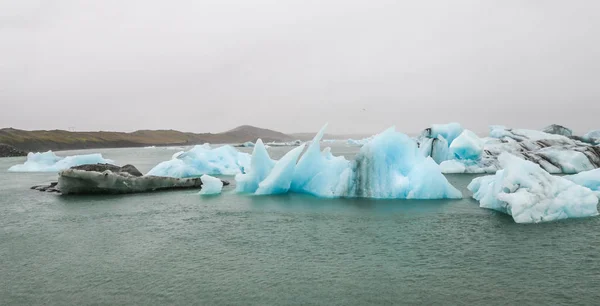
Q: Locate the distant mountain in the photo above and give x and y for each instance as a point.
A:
(43, 140)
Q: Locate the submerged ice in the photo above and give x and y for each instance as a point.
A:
(389, 166)
(50, 162)
(203, 159)
(530, 194)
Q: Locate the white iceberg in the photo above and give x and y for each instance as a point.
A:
(529, 194)
(554, 153)
(199, 160)
(389, 166)
(589, 179)
(50, 162)
(210, 185)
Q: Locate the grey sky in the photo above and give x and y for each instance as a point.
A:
(292, 65)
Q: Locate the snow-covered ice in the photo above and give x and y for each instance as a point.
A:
(388, 166)
(210, 185)
(50, 162)
(529, 194)
(203, 159)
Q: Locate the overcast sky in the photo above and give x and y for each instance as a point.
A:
(292, 65)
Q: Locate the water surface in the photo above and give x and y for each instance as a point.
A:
(180, 248)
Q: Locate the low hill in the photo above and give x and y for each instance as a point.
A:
(43, 140)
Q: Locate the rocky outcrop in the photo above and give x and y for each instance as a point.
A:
(10, 151)
(111, 179)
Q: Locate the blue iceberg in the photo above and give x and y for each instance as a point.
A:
(589, 179)
(260, 167)
(529, 194)
(389, 166)
(49, 162)
(199, 160)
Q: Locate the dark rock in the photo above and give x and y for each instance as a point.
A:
(129, 169)
(558, 130)
(10, 151)
(111, 179)
(51, 187)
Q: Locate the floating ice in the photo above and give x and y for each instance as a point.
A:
(210, 185)
(199, 160)
(358, 142)
(467, 146)
(49, 162)
(554, 153)
(449, 131)
(437, 148)
(294, 143)
(247, 144)
(389, 166)
(558, 130)
(592, 136)
(260, 167)
(529, 194)
(280, 178)
(589, 179)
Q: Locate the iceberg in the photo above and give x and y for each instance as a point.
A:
(529, 194)
(247, 144)
(111, 179)
(589, 179)
(437, 148)
(357, 142)
(260, 167)
(389, 166)
(467, 146)
(592, 136)
(210, 185)
(203, 159)
(49, 162)
(554, 153)
(449, 131)
(558, 130)
(280, 177)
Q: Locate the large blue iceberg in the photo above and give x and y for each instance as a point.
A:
(50, 162)
(389, 166)
(530, 194)
(199, 160)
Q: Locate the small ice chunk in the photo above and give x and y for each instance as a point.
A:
(210, 185)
